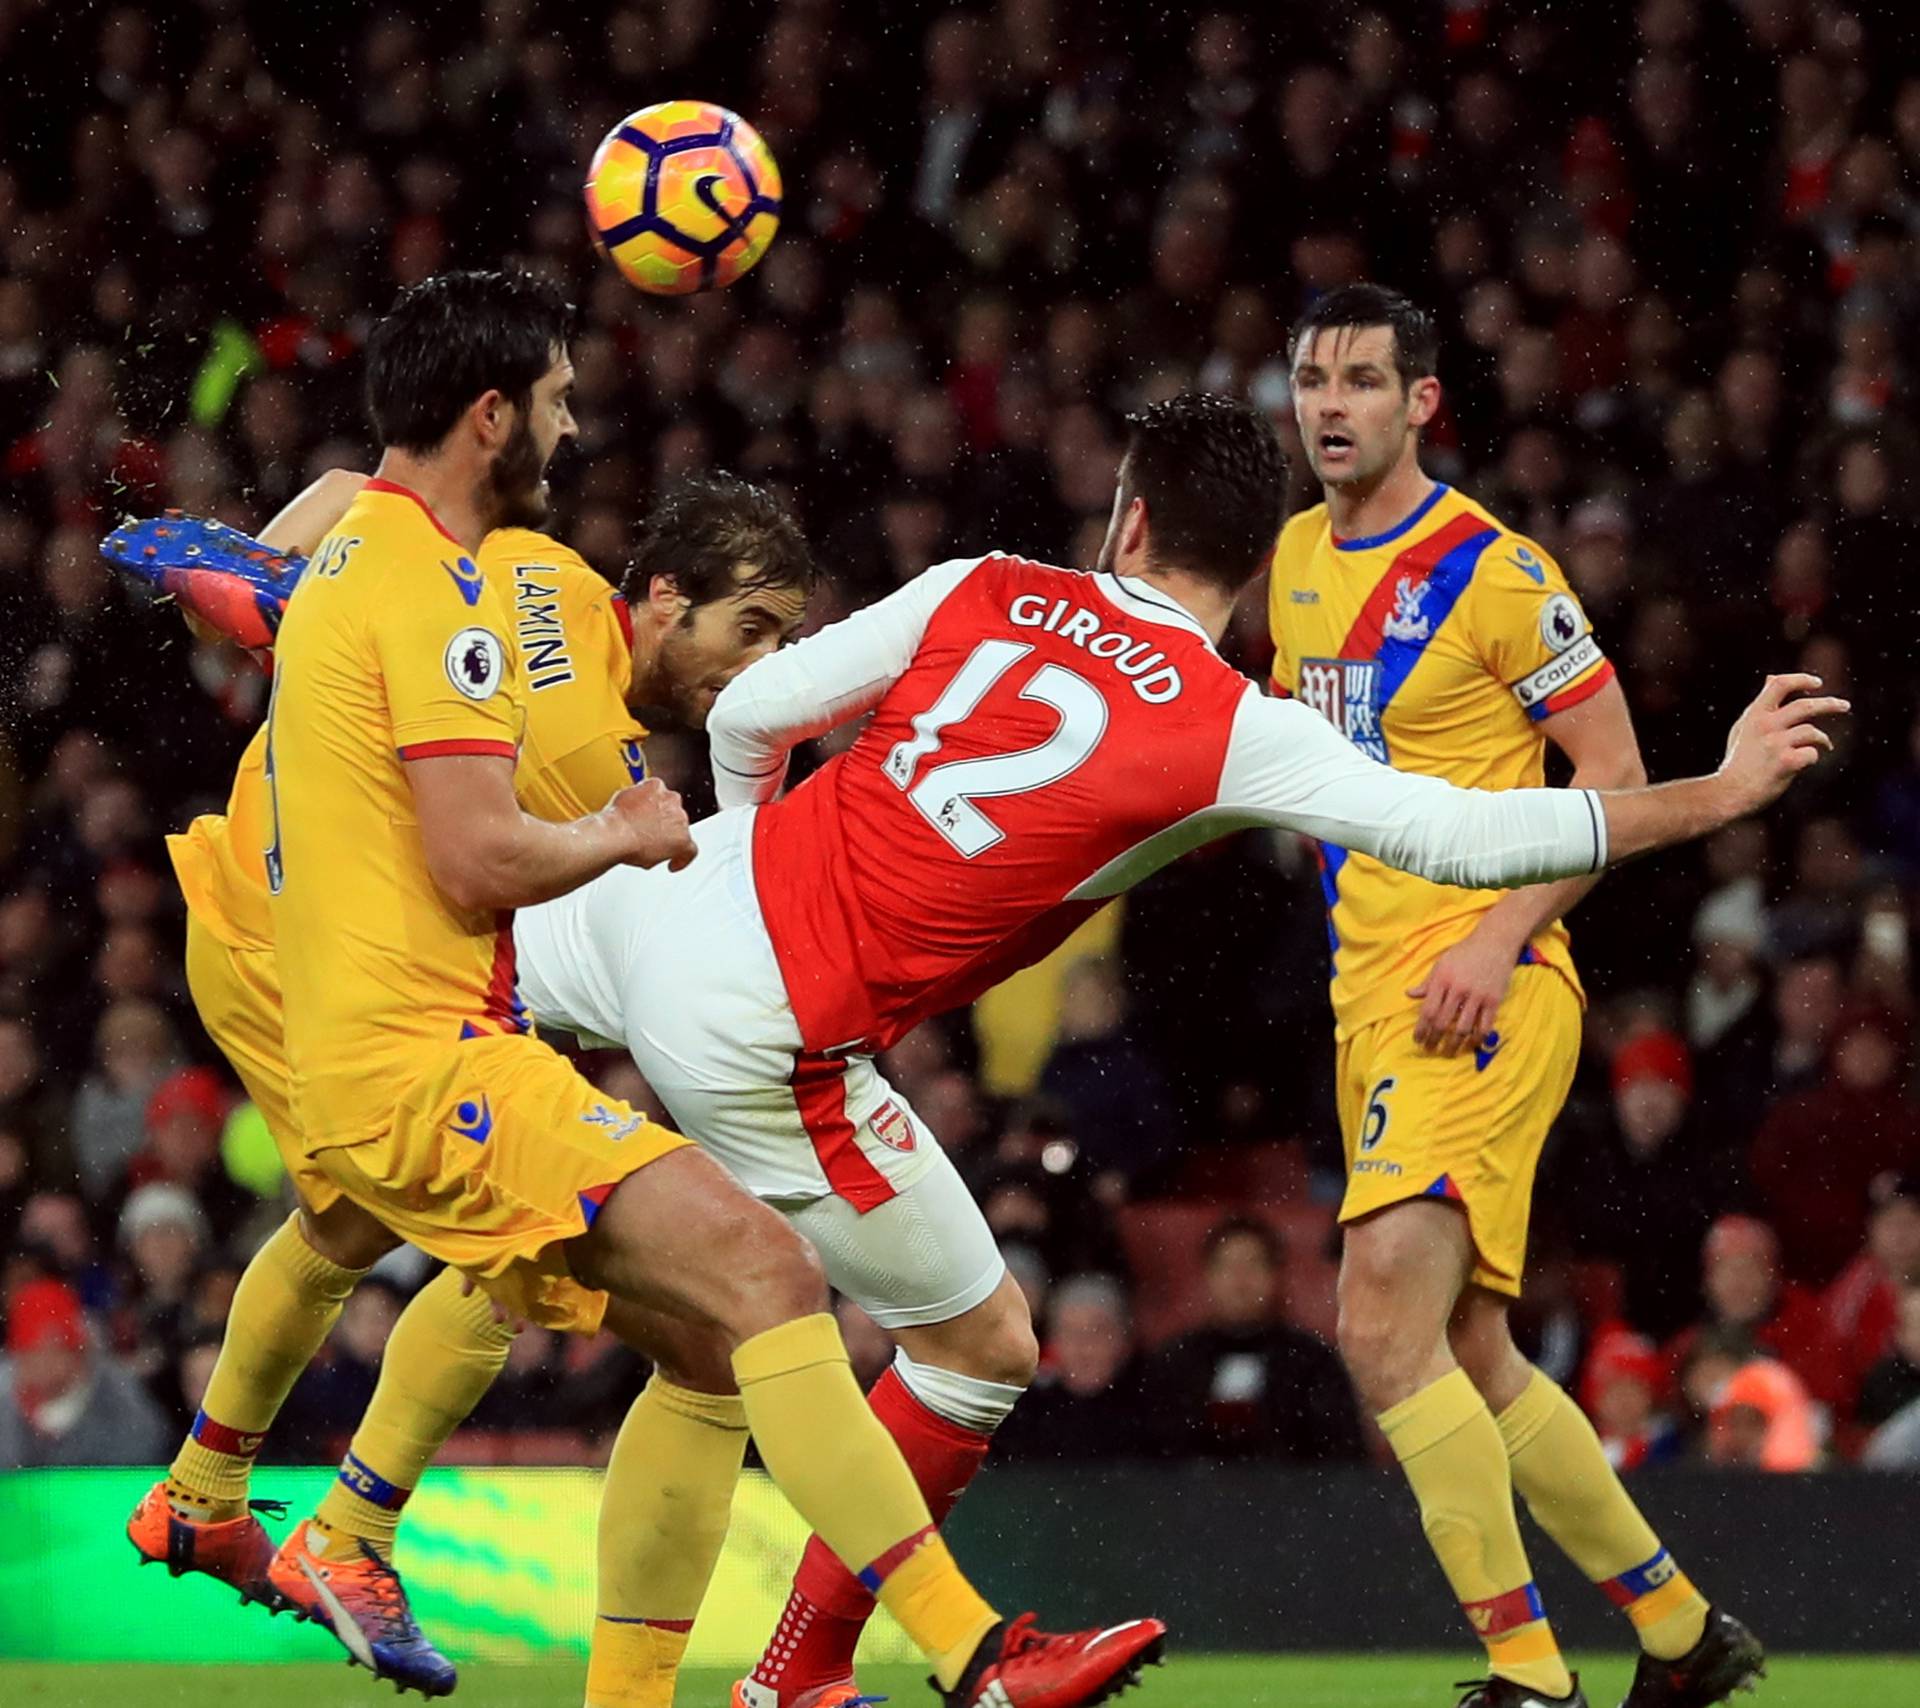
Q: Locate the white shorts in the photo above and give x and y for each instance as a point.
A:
(677, 967)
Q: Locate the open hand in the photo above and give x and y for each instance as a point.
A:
(1777, 738)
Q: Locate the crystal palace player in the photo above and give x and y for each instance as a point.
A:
(1443, 643)
(1040, 740)
(414, 1084)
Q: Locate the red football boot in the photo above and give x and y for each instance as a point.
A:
(1017, 1666)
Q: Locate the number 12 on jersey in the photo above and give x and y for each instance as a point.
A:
(945, 794)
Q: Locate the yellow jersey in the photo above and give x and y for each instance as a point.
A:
(575, 639)
(1438, 646)
(581, 745)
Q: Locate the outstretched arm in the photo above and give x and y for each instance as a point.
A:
(1288, 767)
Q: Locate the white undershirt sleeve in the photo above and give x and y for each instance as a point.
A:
(1288, 767)
(805, 690)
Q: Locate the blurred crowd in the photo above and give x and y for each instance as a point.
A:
(1674, 250)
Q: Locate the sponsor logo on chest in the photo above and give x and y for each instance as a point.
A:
(1346, 692)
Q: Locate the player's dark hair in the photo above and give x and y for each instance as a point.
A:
(454, 337)
(1232, 1228)
(704, 528)
(1214, 478)
(1416, 342)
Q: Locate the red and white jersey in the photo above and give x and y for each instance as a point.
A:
(1041, 740)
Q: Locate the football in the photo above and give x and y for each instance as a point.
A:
(683, 196)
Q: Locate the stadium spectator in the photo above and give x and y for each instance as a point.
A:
(133, 1051)
(1817, 1151)
(1245, 1383)
(333, 1391)
(1894, 1382)
(163, 1234)
(1113, 1091)
(62, 1401)
(1620, 1390)
(1086, 1403)
(1863, 1304)
(55, 1233)
(1644, 1195)
(185, 1116)
(1749, 1303)
(1763, 1419)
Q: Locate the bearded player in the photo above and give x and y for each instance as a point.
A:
(720, 577)
(1442, 643)
(396, 850)
(1039, 740)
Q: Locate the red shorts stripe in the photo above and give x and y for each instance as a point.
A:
(474, 749)
(820, 1089)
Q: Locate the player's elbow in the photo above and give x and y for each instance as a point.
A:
(463, 889)
(1620, 769)
(469, 874)
(728, 727)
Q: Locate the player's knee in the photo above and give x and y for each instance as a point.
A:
(1366, 1342)
(778, 1275)
(346, 1235)
(699, 1359)
(1001, 1349)
(1010, 1350)
(1382, 1353)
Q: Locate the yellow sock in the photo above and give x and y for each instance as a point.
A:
(1450, 1448)
(663, 1517)
(1562, 1470)
(837, 1464)
(443, 1354)
(285, 1306)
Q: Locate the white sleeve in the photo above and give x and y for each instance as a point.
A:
(802, 691)
(1288, 767)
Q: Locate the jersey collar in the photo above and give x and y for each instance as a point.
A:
(1138, 599)
(1440, 490)
(397, 490)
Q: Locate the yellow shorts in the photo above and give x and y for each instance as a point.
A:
(1467, 1128)
(237, 992)
(499, 1153)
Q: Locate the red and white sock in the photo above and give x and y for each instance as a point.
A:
(944, 1424)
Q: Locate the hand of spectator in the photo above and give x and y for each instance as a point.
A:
(1777, 738)
(1461, 995)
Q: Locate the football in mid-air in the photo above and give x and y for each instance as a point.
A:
(683, 196)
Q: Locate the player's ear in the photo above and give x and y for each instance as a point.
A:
(1133, 526)
(665, 600)
(492, 416)
(1423, 400)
